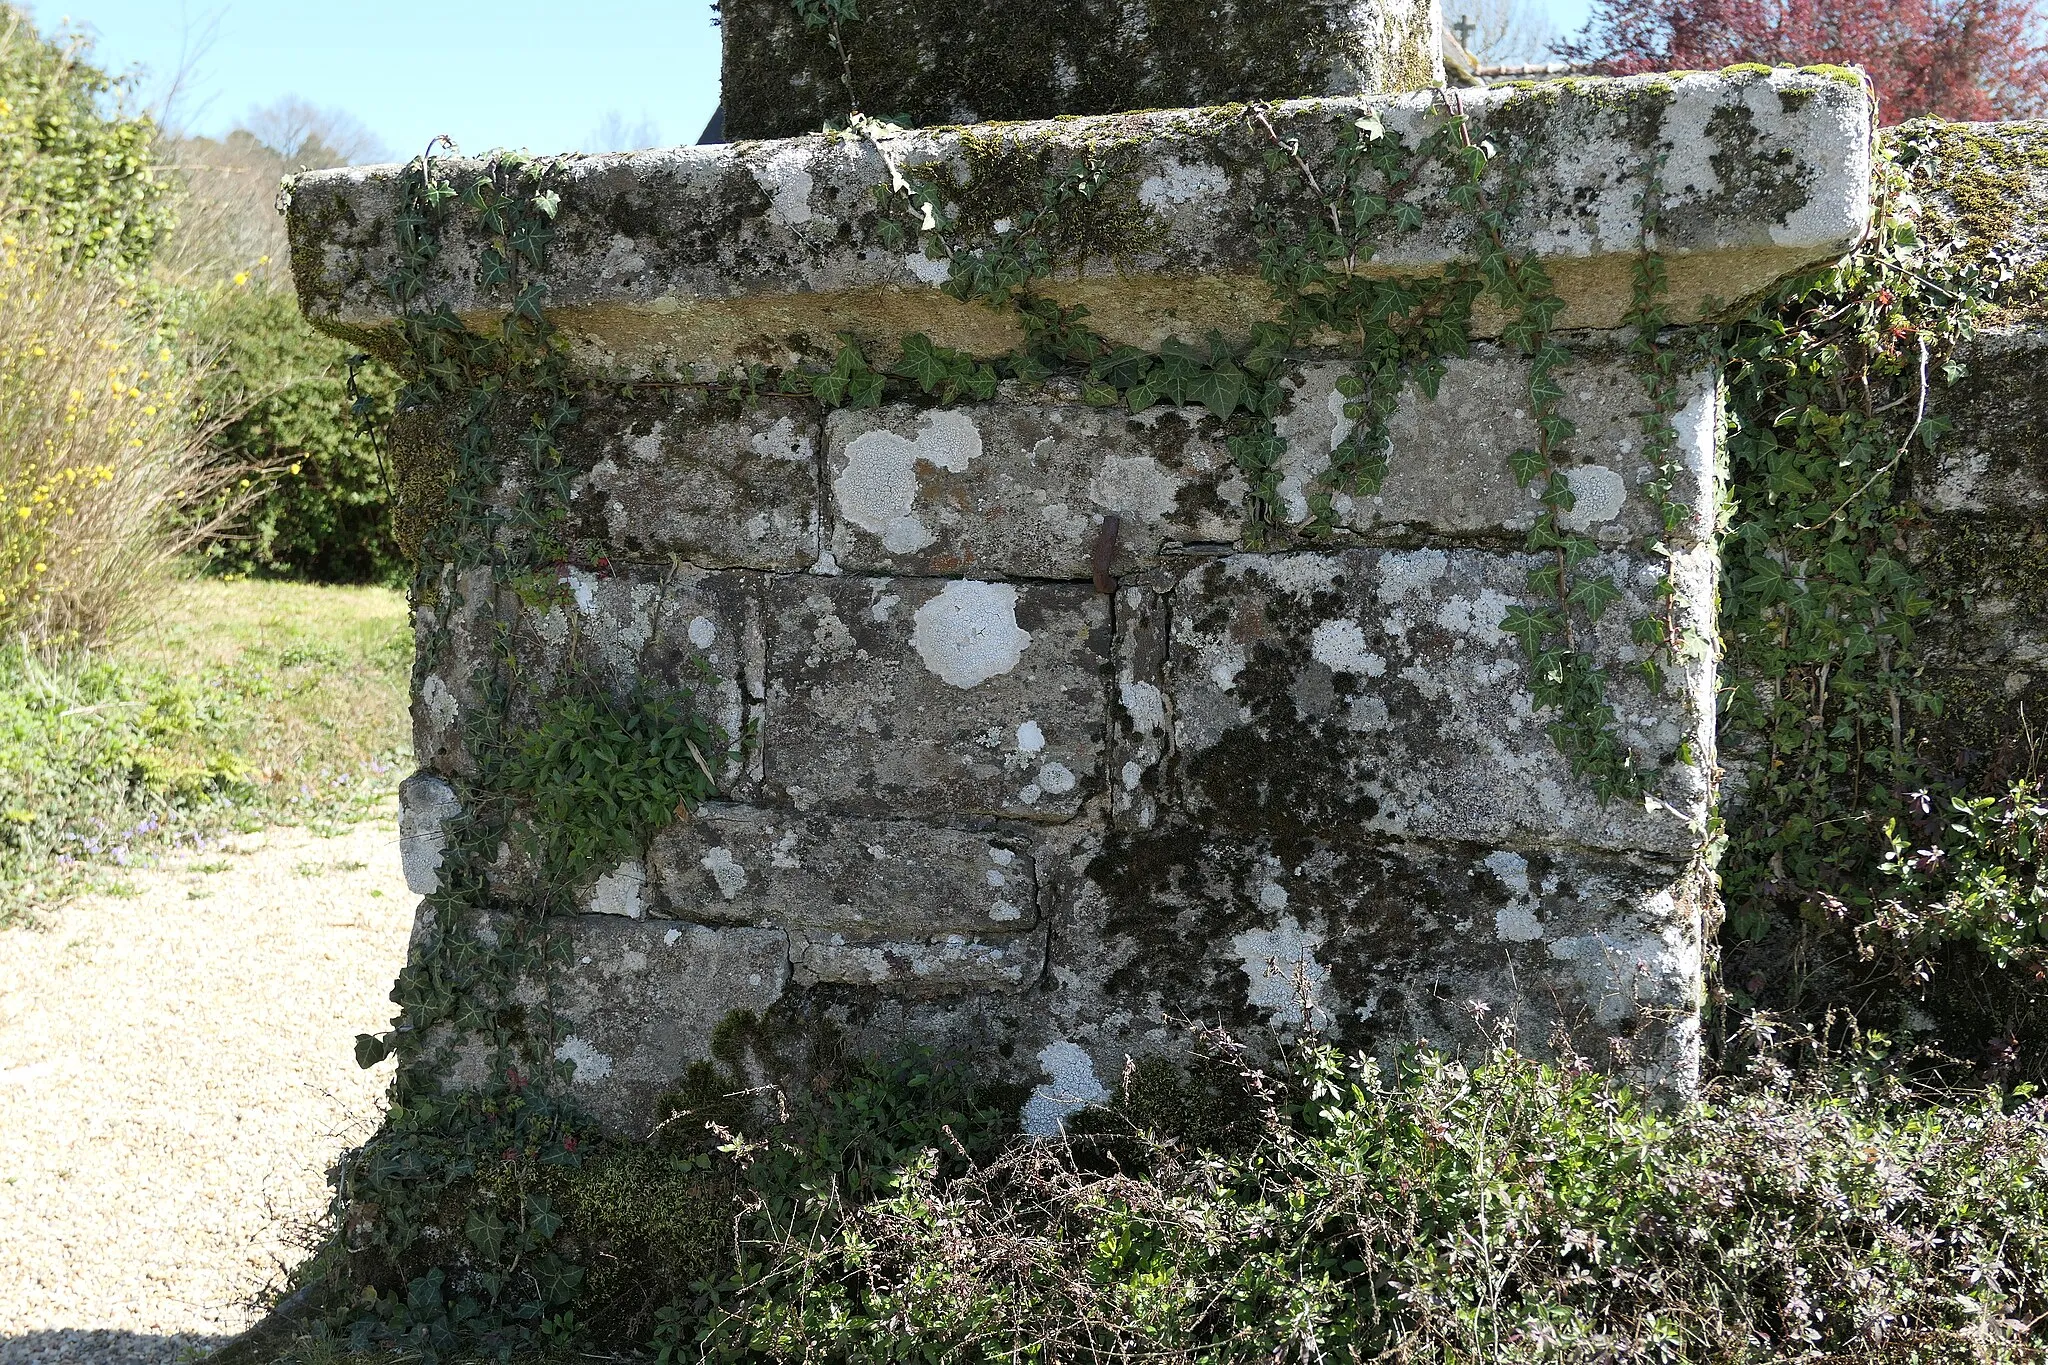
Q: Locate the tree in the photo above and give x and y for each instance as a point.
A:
(614, 134)
(77, 166)
(1957, 59)
(311, 138)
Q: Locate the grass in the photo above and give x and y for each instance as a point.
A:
(238, 705)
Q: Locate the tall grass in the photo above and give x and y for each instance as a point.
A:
(100, 455)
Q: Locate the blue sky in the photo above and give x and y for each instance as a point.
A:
(539, 74)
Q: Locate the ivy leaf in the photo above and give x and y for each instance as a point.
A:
(1530, 627)
(1525, 464)
(371, 1049)
(1593, 595)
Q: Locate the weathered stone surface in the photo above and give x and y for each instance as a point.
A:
(1018, 488)
(1994, 460)
(862, 879)
(695, 259)
(940, 61)
(1987, 187)
(425, 805)
(689, 629)
(905, 696)
(711, 482)
(640, 1001)
(1448, 472)
(1375, 690)
(1388, 941)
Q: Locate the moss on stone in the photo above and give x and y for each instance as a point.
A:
(1846, 75)
(1988, 185)
(930, 62)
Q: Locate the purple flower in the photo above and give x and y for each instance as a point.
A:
(121, 855)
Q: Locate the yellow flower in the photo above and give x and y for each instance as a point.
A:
(241, 278)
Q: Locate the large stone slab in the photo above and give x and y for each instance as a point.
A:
(1387, 941)
(690, 261)
(941, 61)
(908, 696)
(1021, 488)
(640, 1001)
(710, 481)
(1448, 468)
(1375, 691)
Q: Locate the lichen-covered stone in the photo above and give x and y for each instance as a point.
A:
(425, 806)
(1376, 690)
(941, 61)
(859, 879)
(1380, 942)
(697, 259)
(1448, 473)
(1986, 185)
(713, 483)
(909, 696)
(1019, 488)
(639, 1002)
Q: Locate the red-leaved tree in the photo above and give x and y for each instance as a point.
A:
(1958, 59)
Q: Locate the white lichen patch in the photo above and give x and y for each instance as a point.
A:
(703, 632)
(877, 489)
(1056, 779)
(1515, 922)
(1409, 574)
(1145, 704)
(788, 185)
(725, 870)
(1598, 494)
(1340, 645)
(440, 706)
(591, 1065)
(582, 585)
(1071, 1085)
(1030, 739)
(425, 805)
(618, 892)
(968, 633)
(1134, 485)
(1182, 182)
(783, 441)
(1282, 974)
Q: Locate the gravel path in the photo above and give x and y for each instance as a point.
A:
(176, 1076)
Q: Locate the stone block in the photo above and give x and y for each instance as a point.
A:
(693, 260)
(1448, 475)
(640, 1000)
(708, 481)
(861, 879)
(1385, 942)
(1994, 459)
(917, 697)
(1020, 488)
(940, 61)
(1374, 690)
(425, 805)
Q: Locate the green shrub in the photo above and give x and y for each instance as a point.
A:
(99, 466)
(321, 504)
(78, 170)
(1509, 1211)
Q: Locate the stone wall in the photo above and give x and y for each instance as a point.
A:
(1040, 757)
(1983, 489)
